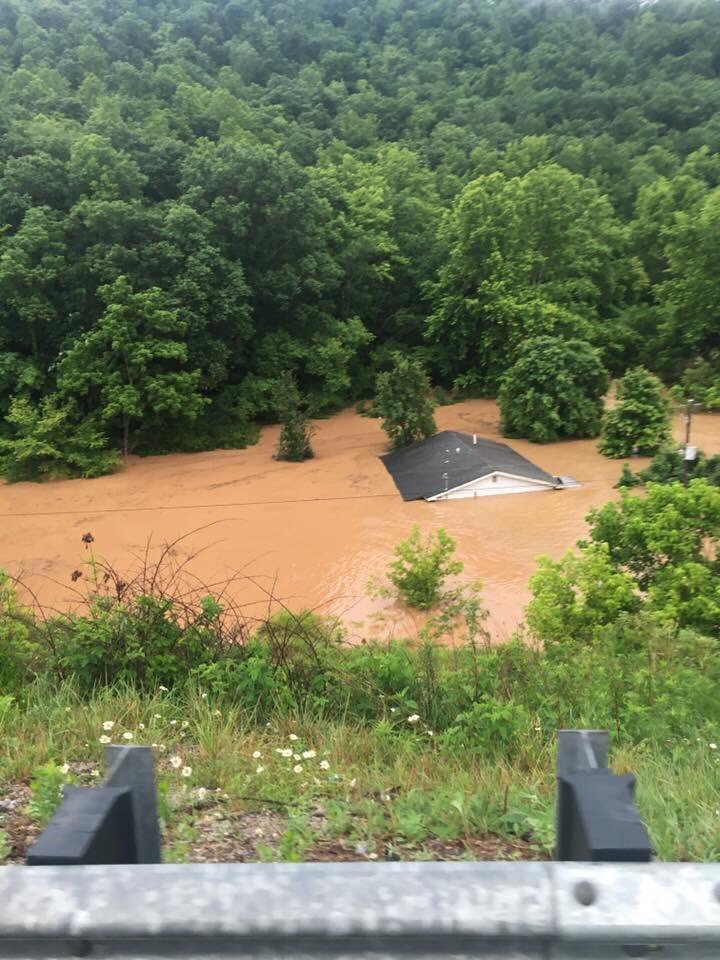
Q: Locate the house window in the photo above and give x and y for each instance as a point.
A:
(494, 478)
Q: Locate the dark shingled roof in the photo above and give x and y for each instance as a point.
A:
(418, 470)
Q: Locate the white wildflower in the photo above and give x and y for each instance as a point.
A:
(186, 771)
(353, 782)
(202, 793)
(204, 696)
(413, 718)
(285, 753)
(176, 762)
(157, 716)
(217, 714)
(164, 689)
(713, 746)
(104, 738)
(260, 770)
(293, 736)
(430, 733)
(256, 755)
(173, 722)
(65, 768)
(127, 735)
(297, 768)
(185, 724)
(308, 754)
(324, 765)
(162, 748)
(296, 756)
(141, 726)
(94, 773)
(108, 724)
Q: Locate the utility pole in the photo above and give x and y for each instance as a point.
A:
(688, 423)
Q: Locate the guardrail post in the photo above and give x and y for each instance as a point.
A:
(133, 767)
(596, 816)
(114, 823)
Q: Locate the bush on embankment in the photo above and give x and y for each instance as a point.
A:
(636, 676)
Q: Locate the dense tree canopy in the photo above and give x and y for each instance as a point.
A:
(554, 389)
(311, 187)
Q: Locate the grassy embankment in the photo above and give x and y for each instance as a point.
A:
(368, 790)
(279, 741)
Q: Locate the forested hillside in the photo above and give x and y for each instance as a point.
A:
(197, 197)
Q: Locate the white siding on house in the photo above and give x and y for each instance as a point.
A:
(491, 486)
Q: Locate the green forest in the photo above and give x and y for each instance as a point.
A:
(199, 199)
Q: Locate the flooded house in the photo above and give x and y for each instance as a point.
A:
(451, 465)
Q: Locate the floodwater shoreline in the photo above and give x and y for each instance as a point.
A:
(313, 534)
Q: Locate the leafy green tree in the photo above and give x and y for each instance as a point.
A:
(690, 297)
(50, 440)
(129, 370)
(672, 525)
(32, 265)
(404, 401)
(529, 256)
(294, 443)
(575, 597)
(421, 567)
(640, 421)
(554, 389)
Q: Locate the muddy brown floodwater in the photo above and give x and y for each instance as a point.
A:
(314, 533)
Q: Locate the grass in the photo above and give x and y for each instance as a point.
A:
(339, 789)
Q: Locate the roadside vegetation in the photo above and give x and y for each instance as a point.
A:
(277, 739)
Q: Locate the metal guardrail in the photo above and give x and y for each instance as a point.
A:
(596, 816)
(113, 899)
(363, 910)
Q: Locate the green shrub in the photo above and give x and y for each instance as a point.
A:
(422, 566)
(23, 655)
(491, 727)
(143, 639)
(249, 678)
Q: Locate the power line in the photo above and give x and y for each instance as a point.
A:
(193, 506)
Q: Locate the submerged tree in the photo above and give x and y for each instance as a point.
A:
(421, 567)
(554, 389)
(294, 443)
(403, 400)
(49, 441)
(640, 423)
(130, 369)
